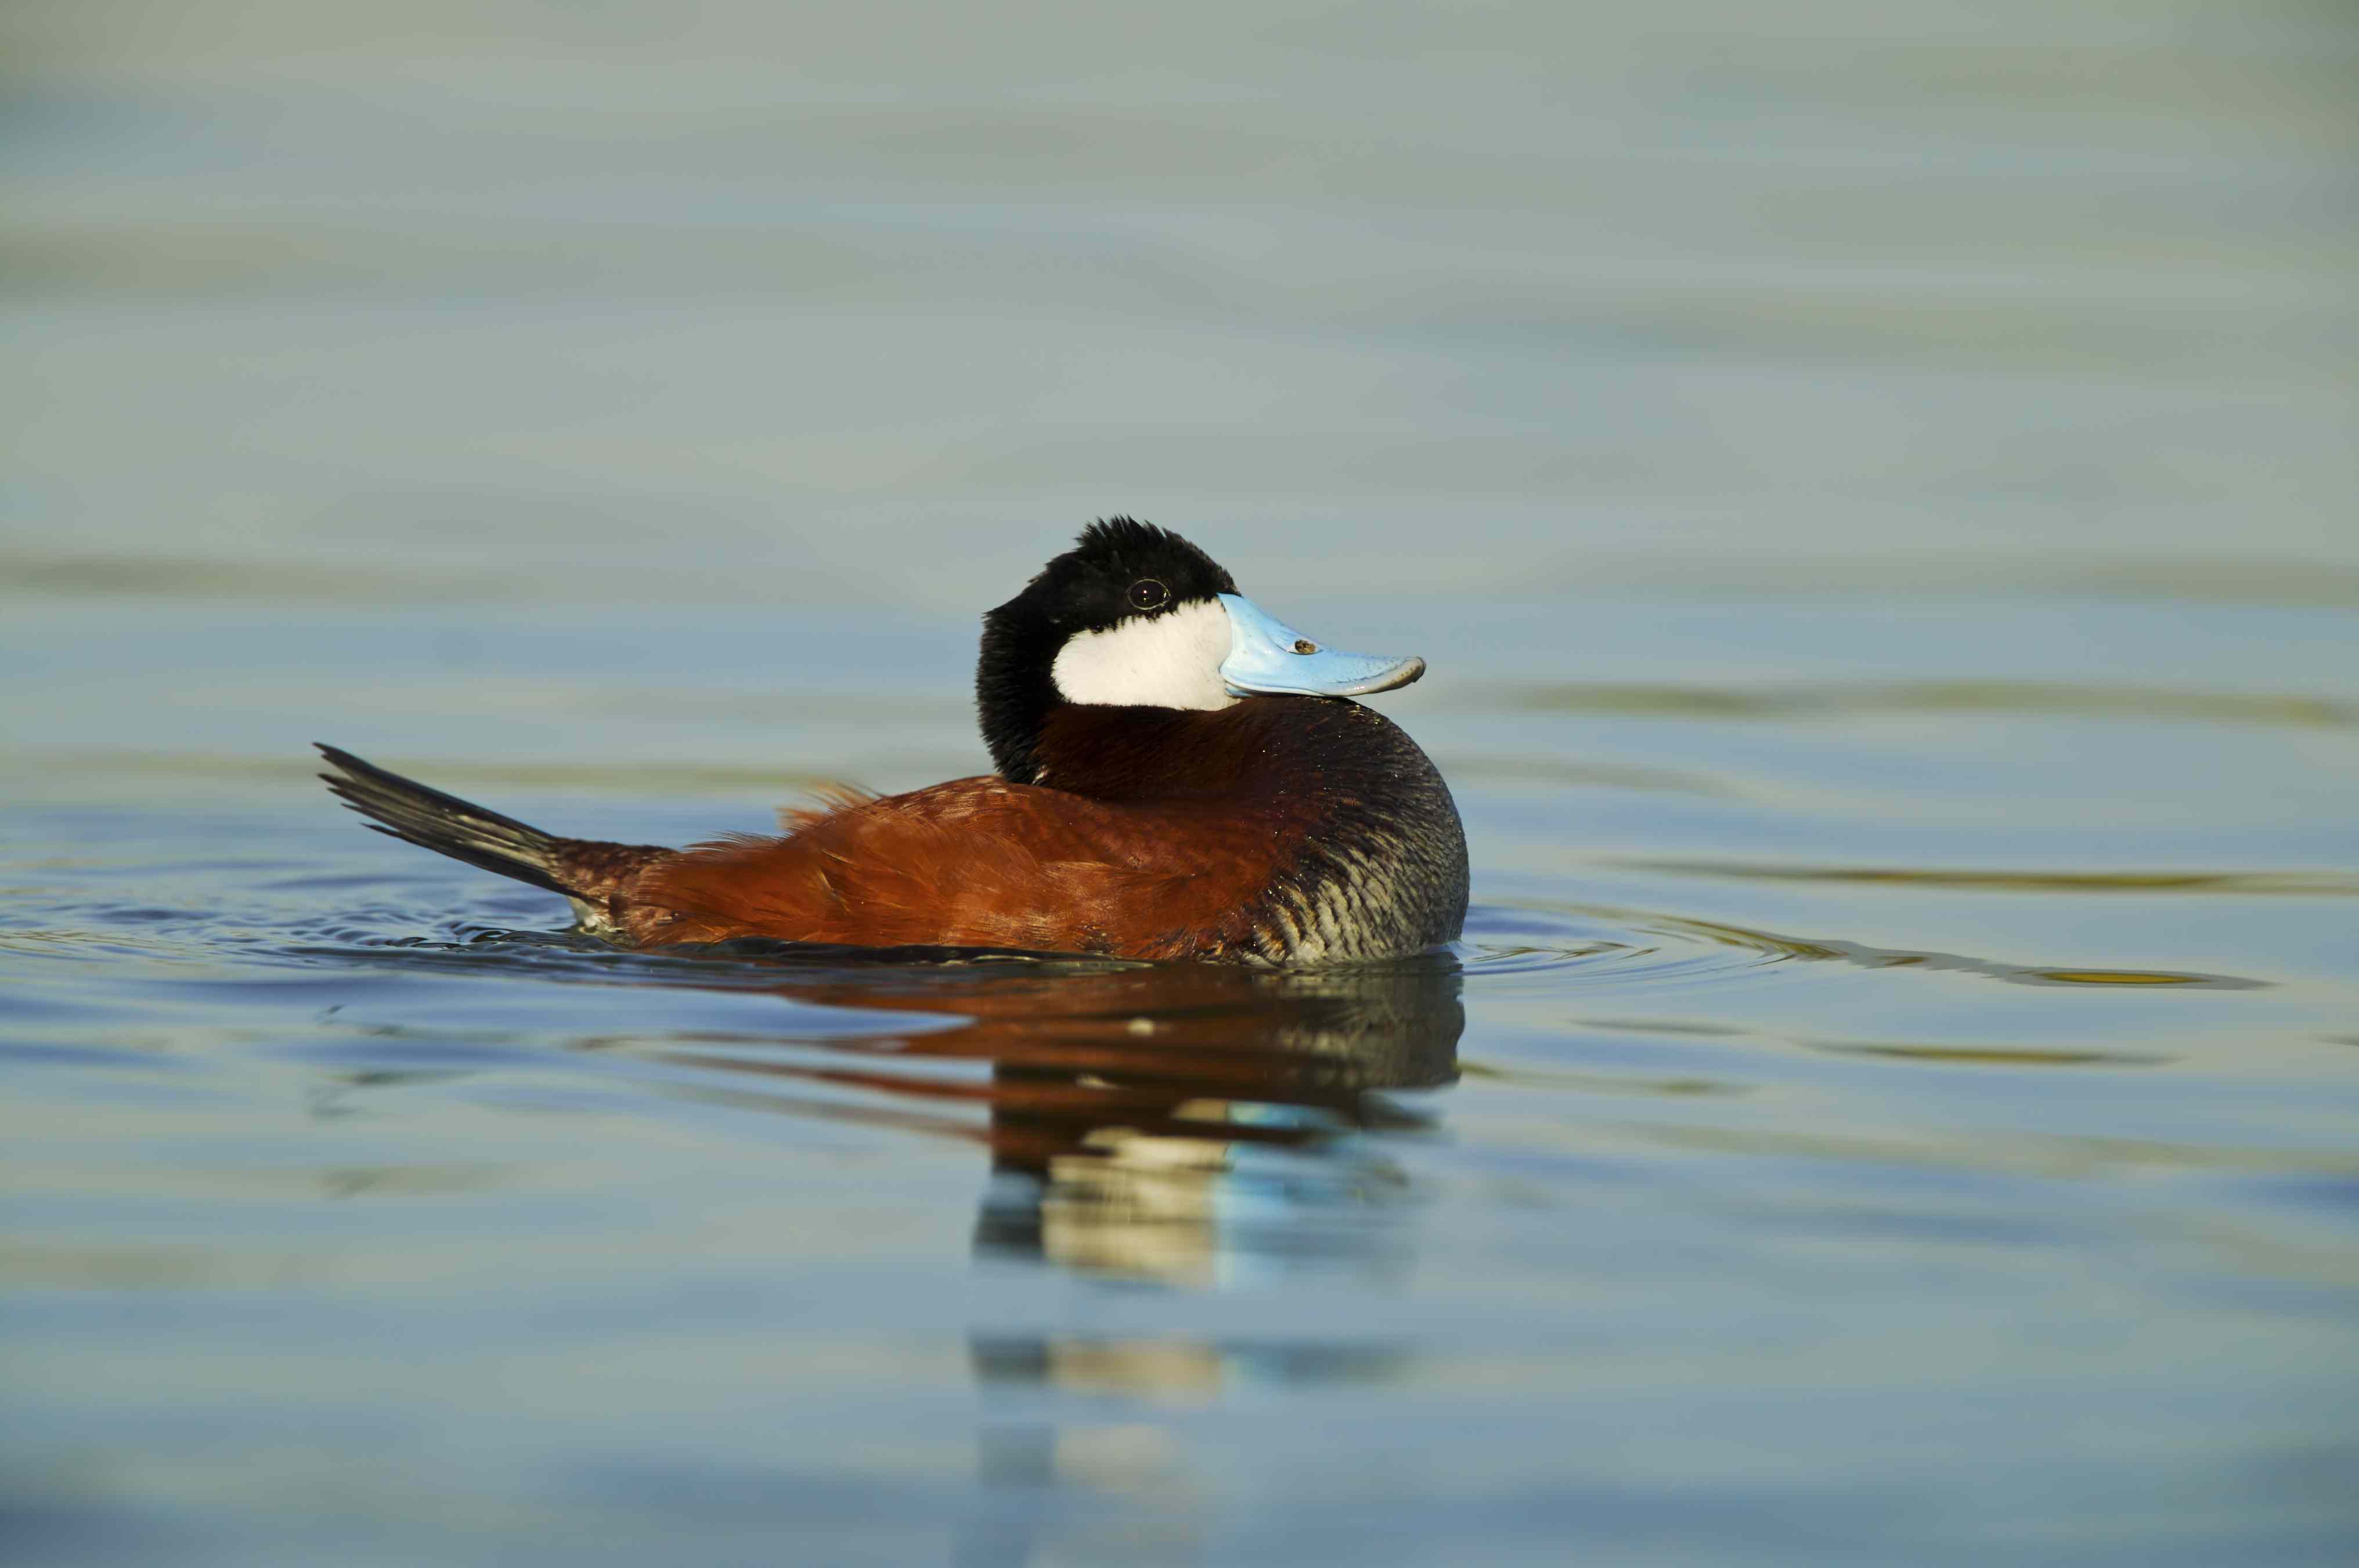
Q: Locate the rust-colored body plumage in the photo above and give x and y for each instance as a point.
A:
(975, 862)
(1159, 835)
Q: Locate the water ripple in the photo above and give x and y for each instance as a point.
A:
(2065, 699)
(1657, 948)
(2312, 885)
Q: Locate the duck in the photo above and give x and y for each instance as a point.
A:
(1179, 775)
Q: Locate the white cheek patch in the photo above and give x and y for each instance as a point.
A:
(1165, 661)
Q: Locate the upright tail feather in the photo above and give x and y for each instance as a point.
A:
(404, 809)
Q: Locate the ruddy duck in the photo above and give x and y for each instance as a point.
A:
(1180, 777)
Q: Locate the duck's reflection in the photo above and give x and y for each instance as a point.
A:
(1163, 1125)
(1174, 1125)
(1151, 1123)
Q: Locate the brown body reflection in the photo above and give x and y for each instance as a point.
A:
(1172, 1125)
(1176, 1126)
(1122, 1100)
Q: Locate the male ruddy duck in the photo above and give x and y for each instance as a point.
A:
(1180, 777)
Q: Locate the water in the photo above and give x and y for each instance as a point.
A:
(1875, 496)
(1865, 1119)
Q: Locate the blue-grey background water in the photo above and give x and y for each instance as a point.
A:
(1874, 484)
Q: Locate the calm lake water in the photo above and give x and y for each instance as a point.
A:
(1874, 492)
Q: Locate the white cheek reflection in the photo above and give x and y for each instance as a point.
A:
(1165, 661)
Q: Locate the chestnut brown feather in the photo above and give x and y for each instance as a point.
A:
(1183, 835)
(1162, 832)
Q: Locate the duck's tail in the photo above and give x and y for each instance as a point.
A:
(406, 809)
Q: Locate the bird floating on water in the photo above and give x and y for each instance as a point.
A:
(1180, 775)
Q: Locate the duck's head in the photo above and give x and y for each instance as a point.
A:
(1135, 616)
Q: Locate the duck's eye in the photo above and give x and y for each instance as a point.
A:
(1149, 594)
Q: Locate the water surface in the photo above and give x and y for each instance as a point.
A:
(1864, 1119)
(1874, 488)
